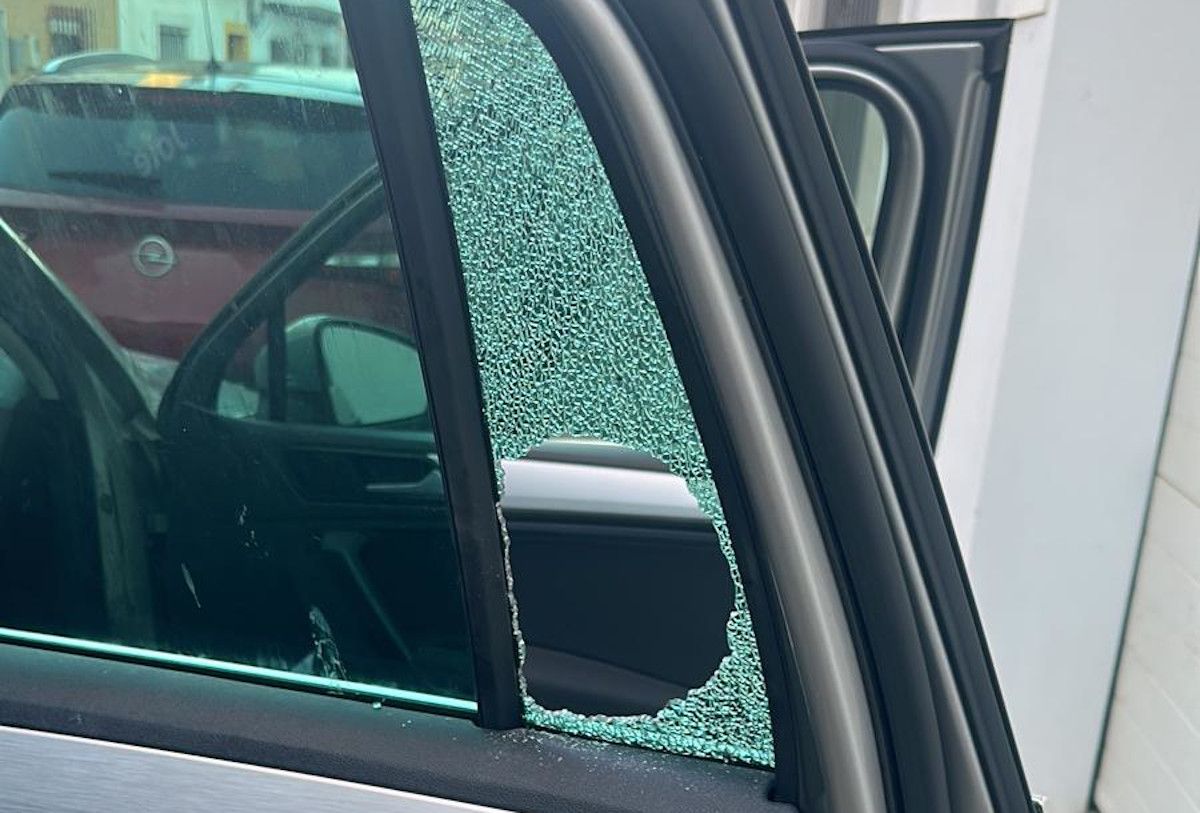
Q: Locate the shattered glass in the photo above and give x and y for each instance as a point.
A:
(569, 341)
(325, 650)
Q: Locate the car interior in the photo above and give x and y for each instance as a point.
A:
(307, 547)
(49, 575)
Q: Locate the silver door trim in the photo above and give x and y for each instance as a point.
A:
(43, 771)
(966, 781)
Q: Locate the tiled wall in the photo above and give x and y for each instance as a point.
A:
(1151, 759)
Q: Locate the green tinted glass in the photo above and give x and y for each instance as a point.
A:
(284, 518)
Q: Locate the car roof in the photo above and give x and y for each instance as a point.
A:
(338, 85)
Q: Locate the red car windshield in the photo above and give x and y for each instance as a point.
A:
(180, 146)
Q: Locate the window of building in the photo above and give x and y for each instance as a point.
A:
(237, 47)
(172, 43)
(71, 30)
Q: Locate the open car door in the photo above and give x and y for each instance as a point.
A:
(912, 110)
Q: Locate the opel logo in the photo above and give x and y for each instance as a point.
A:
(153, 256)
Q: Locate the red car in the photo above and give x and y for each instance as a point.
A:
(155, 191)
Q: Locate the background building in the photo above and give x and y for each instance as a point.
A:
(35, 31)
(308, 32)
(297, 33)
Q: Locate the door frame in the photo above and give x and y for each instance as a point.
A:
(929, 218)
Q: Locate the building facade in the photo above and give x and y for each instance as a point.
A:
(36, 31)
(307, 32)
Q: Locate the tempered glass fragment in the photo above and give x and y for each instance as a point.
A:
(569, 341)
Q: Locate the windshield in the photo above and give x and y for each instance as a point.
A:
(180, 146)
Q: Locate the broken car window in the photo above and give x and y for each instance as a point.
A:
(571, 345)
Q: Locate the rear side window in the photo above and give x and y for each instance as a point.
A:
(861, 138)
(571, 345)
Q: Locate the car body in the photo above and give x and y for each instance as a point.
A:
(417, 519)
(159, 158)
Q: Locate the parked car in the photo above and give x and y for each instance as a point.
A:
(595, 483)
(175, 181)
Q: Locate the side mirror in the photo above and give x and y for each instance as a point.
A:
(371, 376)
(347, 373)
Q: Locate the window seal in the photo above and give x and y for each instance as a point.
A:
(241, 671)
(383, 35)
(435, 754)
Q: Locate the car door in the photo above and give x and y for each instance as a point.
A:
(323, 500)
(591, 204)
(912, 110)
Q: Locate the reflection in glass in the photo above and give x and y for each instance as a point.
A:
(154, 153)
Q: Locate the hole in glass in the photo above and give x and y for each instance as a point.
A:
(621, 585)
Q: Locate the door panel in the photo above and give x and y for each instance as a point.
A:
(937, 88)
(656, 639)
(327, 537)
(320, 531)
(331, 738)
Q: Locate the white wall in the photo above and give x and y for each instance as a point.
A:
(930, 10)
(1061, 381)
(138, 22)
(298, 29)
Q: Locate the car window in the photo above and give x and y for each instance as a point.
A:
(198, 219)
(570, 344)
(279, 513)
(861, 138)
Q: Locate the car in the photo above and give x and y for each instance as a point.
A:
(178, 161)
(595, 482)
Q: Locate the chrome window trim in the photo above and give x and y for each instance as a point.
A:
(107, 776)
